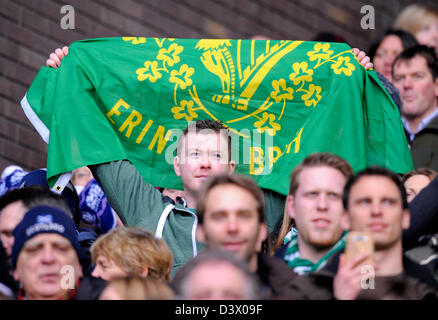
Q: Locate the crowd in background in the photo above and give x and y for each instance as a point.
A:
(111, 235)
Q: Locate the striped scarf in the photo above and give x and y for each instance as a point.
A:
(303, 266)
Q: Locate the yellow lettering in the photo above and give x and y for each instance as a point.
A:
(143, 132)
(161, 141)
(131, 124)
(115, 109)
(297, 141)
(272, 158)
(258, 160)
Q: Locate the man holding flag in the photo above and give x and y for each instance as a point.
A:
(204, 148)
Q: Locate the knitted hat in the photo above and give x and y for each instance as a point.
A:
(44, 219)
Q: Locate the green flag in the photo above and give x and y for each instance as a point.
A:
(130, 98)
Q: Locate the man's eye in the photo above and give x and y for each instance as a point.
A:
(389, 202)
(195, 154)
(218, 216)
(216, 156)
(334, 196)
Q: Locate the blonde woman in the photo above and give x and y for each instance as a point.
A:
(422, 22)
(125, 251)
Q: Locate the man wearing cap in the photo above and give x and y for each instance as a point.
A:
(46, 254)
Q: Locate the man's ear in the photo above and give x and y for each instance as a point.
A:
(144, 273)
(345, 221)
(200, 234)
(263, 232)
(290, 206)
(406, 219)
(177, 166)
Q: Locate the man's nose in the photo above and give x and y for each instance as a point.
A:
(232, 225)
(322, 202)
(48, 255)
(205, 161)
(407, 83)
(376, 208)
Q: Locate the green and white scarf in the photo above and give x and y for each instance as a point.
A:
(303, 266)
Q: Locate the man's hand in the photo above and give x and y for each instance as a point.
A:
(363, 58)
(347, 282)
(55, 58)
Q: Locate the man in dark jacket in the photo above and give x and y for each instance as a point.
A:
(231, 213)
(375, 202)
(415, 75)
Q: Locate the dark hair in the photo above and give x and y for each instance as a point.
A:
(243, 182)
(407, 40)
(375, 171)
(207, 124)
(428, 53)
(35, 196)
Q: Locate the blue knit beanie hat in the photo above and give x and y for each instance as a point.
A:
(44, 219)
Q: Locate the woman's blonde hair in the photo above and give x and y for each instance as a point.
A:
(134, 250)
(414, 17)
(135, 287)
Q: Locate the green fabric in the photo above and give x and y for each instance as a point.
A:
(139, 204)
(129, 98)
(300, 265)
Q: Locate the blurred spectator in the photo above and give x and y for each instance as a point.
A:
(375, 202)
(127, 250)
(7, 284)
(15, 203)
(421, 21)
(231, 217)
(384, 51)
(426, 253)
(80, 178)
(45, 242)
(216, 275)
(417, 180)
(134, 287)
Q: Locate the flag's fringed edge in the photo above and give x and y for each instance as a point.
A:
(44, 132)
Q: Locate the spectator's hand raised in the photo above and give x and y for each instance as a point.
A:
(347, 282)
(55, 58)
(363, 58)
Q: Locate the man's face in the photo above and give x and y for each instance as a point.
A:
(415, 184)
(418, 90)
(231, 221)
(10, 216)
(203, 155)
(375, 205)
(317, 206)
(217, 281)
(107, 269)
(39, 266)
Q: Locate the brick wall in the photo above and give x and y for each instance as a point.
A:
(30, 30)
